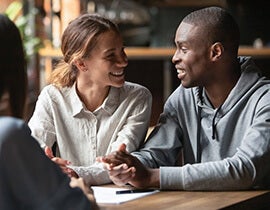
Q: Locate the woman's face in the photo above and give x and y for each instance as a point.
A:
(106, 63)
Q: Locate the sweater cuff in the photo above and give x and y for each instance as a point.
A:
(171, 178)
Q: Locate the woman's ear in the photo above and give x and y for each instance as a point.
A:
(217, 50)
(80, 64)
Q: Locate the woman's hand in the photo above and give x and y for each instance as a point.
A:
(63, 164)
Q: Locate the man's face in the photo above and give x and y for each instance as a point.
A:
(192, 56)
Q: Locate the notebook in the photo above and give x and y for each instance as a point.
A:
(108, 195)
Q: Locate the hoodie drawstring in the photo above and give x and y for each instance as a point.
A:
(198, 158)
(199, 117)
(213, 124)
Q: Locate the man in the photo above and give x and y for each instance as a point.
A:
(218, 118)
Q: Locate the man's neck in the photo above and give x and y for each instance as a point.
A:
(219, 91)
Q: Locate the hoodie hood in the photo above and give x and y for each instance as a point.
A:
(248, 82)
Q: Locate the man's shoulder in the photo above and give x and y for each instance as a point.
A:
(182, 98)
(184, 93)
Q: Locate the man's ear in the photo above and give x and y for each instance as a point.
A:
(80, 64)
(217, 50)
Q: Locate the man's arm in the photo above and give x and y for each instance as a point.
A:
(163, 145)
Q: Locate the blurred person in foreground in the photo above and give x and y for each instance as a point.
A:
(217, 122)
(28, 178)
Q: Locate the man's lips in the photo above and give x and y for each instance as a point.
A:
(181, 73)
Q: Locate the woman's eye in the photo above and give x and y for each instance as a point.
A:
(110, 57)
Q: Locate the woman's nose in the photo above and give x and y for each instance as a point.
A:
(122, 61)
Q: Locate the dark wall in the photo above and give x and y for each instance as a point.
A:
(253, 19)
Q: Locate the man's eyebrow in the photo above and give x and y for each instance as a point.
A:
(180, 43)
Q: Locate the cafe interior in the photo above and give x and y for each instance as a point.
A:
(148, 28)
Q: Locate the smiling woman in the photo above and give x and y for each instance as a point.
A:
(89, 109)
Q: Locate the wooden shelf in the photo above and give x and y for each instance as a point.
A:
(158, 53)
(189, 3)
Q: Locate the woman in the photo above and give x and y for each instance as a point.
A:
(88, 110)
(28, 179)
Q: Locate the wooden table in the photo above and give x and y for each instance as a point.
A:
(177, 200)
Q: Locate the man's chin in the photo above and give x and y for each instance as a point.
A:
(186, 85)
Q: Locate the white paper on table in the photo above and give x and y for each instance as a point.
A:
(107, 195)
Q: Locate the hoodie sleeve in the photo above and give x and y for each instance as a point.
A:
(163, 146)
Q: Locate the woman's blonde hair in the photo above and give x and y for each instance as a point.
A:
(78, 40)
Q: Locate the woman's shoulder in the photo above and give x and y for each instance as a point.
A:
(130, 87)
(51, 89)
(52, 92)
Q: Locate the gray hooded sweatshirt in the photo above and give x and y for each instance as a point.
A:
(227, 148)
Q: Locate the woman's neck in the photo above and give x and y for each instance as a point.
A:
(92, 96)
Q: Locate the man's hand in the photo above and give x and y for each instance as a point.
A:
(63, 164)
(124, 168)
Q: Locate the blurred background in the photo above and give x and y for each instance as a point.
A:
(148, 28)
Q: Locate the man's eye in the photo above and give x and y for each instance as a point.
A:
(184, 50)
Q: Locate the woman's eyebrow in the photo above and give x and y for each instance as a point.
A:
(107, 51)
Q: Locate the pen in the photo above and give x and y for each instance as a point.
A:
(134, 191)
